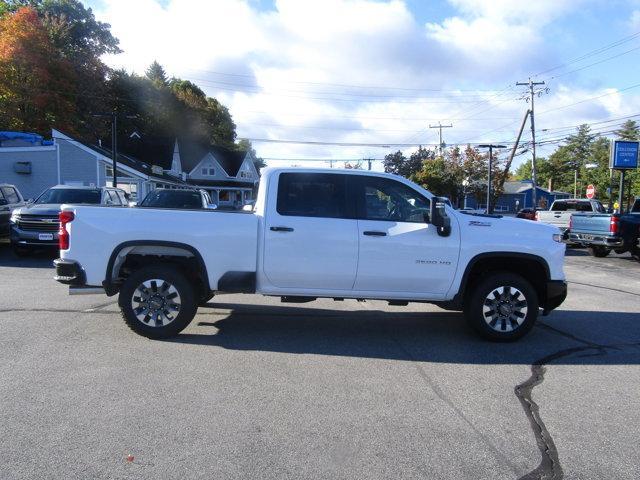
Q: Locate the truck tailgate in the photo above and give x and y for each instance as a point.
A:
(557, 219)
(595, 223)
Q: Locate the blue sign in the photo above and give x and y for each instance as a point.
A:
(624, 154)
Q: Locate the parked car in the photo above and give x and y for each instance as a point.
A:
(527, 213)
(603, 232)
(10, 199)
(182, 199)
(561, 210)
(36, 224)
(317, 233)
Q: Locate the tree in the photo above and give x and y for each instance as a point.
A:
(157, 75)
(399, 164)
(37, 86)
(246, 146)
(629, 131)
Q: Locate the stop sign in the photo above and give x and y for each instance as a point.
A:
(591, 191)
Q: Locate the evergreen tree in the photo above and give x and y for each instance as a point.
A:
(157, 75)
(629, 131)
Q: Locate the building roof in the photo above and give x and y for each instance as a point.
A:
(520, 186)
(134, 163)
(192, 152)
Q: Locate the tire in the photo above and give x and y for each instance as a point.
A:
(150, 298)
(599, 251)
(635, 253)
(507, 291)
(619, 251)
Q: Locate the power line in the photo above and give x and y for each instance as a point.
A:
(591, 98)
(343, 85)
(591, 53)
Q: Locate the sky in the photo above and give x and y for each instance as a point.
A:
(372, 76)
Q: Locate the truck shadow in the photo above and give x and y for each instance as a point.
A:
(37, 259)
(426, 337)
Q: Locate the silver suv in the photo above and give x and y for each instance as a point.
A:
(36, 224)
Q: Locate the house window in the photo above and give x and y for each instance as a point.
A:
(212, 171)
(205, 171)
(208, 171)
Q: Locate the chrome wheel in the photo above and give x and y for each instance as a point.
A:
(504, 309)
(156, 303)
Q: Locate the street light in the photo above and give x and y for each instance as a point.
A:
(490, 146)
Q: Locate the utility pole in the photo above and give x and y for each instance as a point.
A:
(531, 84)
(490, 146)
(114, 140)
(369, 160)
(440, 127)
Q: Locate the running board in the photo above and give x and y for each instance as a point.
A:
(86, 291)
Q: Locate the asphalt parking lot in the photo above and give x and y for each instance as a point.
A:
(258, 389)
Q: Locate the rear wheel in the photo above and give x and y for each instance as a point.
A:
(502, 307)
(157, 302)
(635, 253)
(599, 251)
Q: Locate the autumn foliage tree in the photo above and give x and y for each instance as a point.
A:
(37, 85)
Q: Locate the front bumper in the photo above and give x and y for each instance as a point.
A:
(69, 272)
(588, 239)
(556, 294)
(24, 238)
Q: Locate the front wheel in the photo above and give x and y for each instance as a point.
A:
(157, 302)
(502, 307)
(599, 251)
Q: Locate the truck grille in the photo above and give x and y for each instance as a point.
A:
(40, 223)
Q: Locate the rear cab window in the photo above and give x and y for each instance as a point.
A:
(314, 195)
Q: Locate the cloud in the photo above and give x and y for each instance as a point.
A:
(313, 70)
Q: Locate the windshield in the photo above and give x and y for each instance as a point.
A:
(70, 195)
(173, 199)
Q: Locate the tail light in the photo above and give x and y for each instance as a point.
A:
(614, 225)
(63, 234)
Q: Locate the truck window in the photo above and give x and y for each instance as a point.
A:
(312, 195)
(390, 200)
(10, 195)
(636, 206)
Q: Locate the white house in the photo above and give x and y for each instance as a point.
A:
(229, 176)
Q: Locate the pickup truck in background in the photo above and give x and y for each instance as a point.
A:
(561, 210)
(603, 232)
(35, 225)
(316, 233)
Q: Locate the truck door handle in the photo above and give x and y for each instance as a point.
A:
(281, 229)
(375, 234)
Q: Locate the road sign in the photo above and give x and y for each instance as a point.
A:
(591, 191)
(624, 154)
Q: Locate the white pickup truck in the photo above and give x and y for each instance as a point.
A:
(559, 215)
(316, 233)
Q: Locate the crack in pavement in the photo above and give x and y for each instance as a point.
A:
(549, 467)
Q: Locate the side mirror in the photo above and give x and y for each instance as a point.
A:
(30, 200)
(439, 217)
(3, 202)
(211, 206)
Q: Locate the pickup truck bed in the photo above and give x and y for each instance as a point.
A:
(602, 232)
(559, 215)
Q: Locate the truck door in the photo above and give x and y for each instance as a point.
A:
(399, 251)
(311, 234)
